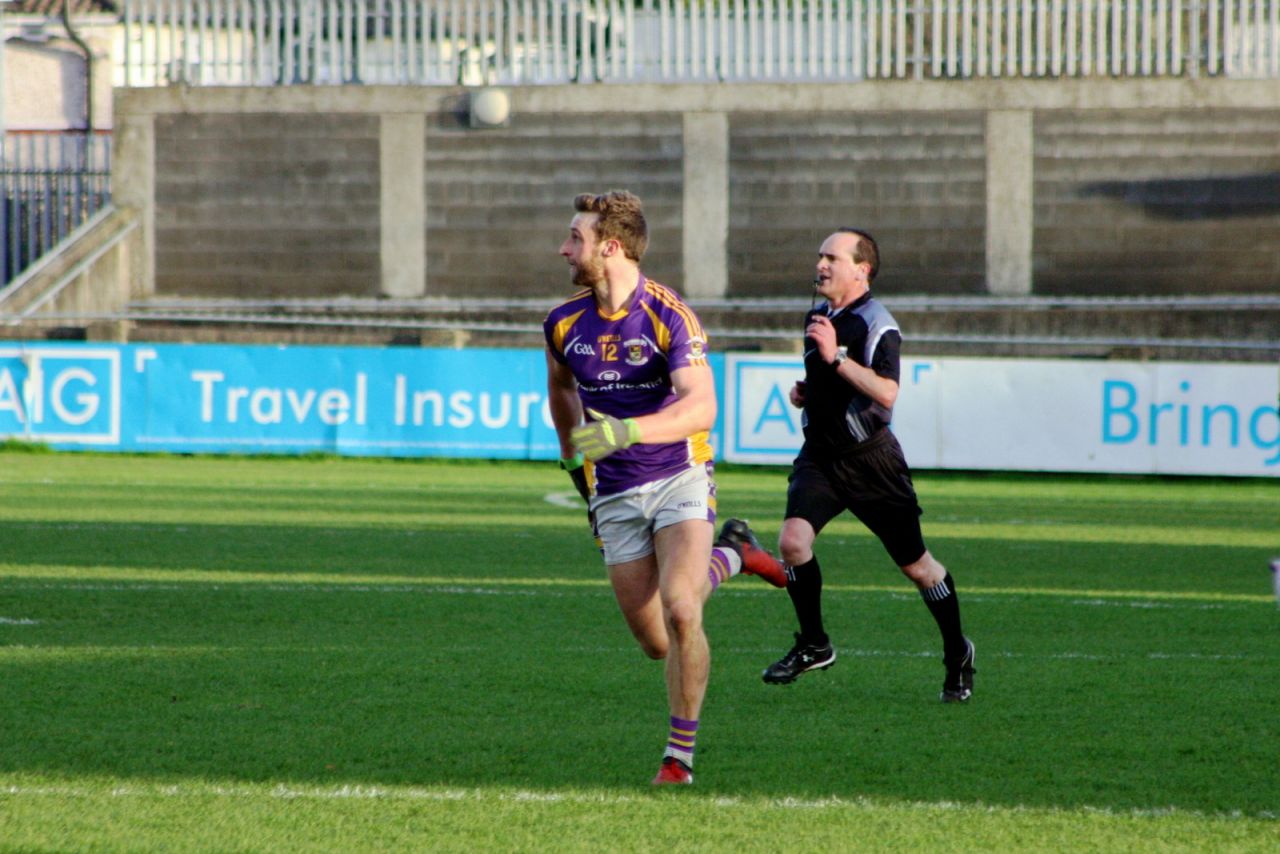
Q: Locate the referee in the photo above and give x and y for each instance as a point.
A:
(850, 461)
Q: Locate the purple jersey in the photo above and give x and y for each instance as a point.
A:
(623, 364)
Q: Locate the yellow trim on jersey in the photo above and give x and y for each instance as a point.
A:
(661, 331)
(669, 298)
(700, 450)
(561, 330)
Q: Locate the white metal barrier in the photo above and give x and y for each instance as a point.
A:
(285, 42)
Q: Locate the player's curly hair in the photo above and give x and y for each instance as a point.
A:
(621, 219)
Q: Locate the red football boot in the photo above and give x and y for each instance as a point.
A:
(673, 771)
(736, 535)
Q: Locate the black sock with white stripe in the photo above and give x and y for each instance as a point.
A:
(804, 586)
(945, 607)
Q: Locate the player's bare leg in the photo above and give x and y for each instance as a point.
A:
(661, 598)
(635, 587)
(683, 551)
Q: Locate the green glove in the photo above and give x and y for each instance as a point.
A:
(604, 435)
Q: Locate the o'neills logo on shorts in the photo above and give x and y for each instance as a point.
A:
(687, 504)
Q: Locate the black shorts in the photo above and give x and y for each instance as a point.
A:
(873, 483)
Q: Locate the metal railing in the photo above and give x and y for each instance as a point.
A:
(282, 42)
(26, 296)
(50, 184)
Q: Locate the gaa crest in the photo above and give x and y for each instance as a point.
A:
(638, 351)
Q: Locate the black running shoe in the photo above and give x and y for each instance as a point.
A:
(959, 685)
(802, 658)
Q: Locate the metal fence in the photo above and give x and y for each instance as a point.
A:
(281, 42)
(50, 183)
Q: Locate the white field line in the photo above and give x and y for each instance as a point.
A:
(841, 652)
(18, 621)
(151, 651)
(287, 792)
(302, 486)
(562, 588)
(424, 589)
(569, 500)
(183, 528)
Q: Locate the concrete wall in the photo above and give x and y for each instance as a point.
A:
(267, 205)
(499, 201)
(914, 180)
(1009, 187)
(1157, 201)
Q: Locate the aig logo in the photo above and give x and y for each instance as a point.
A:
(55, 395)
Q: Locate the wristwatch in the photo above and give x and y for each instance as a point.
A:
(842, 353)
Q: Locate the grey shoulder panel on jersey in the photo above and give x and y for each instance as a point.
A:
(879, 321)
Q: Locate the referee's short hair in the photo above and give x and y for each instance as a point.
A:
(866, 252)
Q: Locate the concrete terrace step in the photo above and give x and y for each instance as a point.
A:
(1208, 328)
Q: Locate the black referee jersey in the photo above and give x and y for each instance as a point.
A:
(837, 417)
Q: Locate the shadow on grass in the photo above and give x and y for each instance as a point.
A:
(558, 545)
(457, 686)
(433, 547)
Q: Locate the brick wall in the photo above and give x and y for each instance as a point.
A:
(914, 180)
(259, 205)
(1149, 201)
(499, 201)
(1157, 202)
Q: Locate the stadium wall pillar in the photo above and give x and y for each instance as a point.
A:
(1138, 187)
(403, 215)
(133, 189)
(706, 204)
(1010, 193)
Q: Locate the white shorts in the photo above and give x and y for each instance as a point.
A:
(626, 522)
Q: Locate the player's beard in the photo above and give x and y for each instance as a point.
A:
(589, 273)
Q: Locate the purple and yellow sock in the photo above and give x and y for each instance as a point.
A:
(680, 743)
(725, 564)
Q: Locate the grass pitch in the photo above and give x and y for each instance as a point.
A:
(266, 654)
